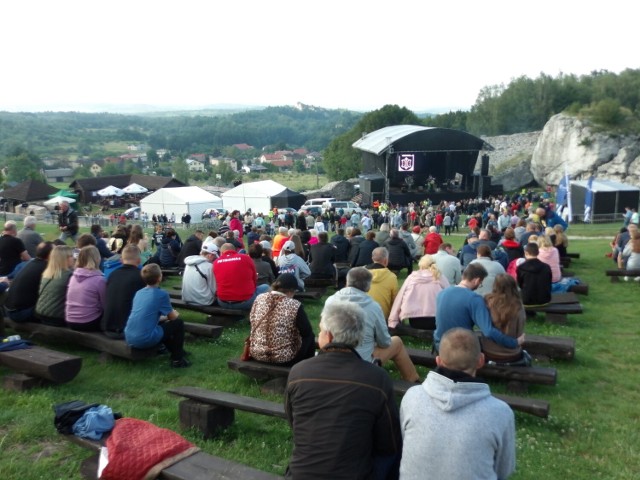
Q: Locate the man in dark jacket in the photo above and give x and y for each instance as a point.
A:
(365, 249)
(341, 409)
(23, 294)
(342, 246)
(169, 250)
(322, 257)
(534, 277)
(399, 253)
(67, 222)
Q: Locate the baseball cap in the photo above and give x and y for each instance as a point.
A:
(289, 245)
(265, 244)
(210, 248)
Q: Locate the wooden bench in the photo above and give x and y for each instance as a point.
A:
(263, 371)
(557, 348)
(573, 255)
(170, 272)
(38, 366)
(225, 317)
(556, 312)
(311, 294)
(517, 378)
(97, 341)
(199, 466)
(616, 274)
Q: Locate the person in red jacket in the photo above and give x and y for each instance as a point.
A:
(236, 278)
(236, 224)
(432, 241)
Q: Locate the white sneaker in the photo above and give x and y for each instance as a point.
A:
(626, 279)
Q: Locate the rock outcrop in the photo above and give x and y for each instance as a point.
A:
(340, 190)
(510, 162)
(567, 140)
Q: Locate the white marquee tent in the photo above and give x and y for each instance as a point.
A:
(260, 197)
(180, 200)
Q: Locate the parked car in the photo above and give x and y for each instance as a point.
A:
(131, 212)
(287, 209)
(346, 207)
(214, 212)
(320, 202)
(313, 210)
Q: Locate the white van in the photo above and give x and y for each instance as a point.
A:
(317, 202)
(346, 207)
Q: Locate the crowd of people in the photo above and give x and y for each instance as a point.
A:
(510, 259)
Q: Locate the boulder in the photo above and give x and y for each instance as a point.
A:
(340, 190)
(572, 142)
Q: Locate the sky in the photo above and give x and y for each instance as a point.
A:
(360, 55)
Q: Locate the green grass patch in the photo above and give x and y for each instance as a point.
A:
(592, 431)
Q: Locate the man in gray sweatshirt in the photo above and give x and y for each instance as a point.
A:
(451, 425)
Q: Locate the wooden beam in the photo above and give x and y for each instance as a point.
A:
(56, 367)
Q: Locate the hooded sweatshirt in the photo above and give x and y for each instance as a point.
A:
(534, 280)
(417, 297)
(292, 263)
(195, 288)
(86, 296)
(375, 332)
(384, 287)
(453, 428)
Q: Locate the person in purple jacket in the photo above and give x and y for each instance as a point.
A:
(86, 293)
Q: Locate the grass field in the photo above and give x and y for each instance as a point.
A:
(592, 432)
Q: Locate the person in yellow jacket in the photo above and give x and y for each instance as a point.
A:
(384, 285)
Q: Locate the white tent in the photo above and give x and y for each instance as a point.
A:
(179, 201)
(254, 195)
(110, 191)
(134, 189)
(59, 199)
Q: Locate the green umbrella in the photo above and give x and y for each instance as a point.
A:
(64, 193)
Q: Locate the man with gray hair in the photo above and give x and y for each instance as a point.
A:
(67, 222)
(29, 236)
(453, 408)
(342, 410)
(376, 342)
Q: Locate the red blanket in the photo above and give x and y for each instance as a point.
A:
(140, 450)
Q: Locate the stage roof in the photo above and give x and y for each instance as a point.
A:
(430, 139)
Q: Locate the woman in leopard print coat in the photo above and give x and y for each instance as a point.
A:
(280, 330)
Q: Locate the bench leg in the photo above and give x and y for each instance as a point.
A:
(207, 419)
(19, 382)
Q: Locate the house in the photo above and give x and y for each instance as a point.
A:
(270, 157)
(96, 167)
(27, 192)
(141, 147)
(195, 165)
(242, 146)
(230, 161)
(58, 175)
(199, 157)
(283, 164)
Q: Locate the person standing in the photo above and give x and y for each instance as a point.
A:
(452, 427)
(67, 222)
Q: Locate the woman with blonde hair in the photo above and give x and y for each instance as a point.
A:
(508, 316)
(561, 241)
(86, 293)
(416, 299)
(50, 306)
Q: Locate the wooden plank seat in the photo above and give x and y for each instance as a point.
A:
(170, 272)
(565, 262)
(556, 312)
(37, 366)
(310, 294)
(264, 371)
(198, 466)
(522, 375)
(220, 316)
(616, 274)
(557, 348)
(573, 255)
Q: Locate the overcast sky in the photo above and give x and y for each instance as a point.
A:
(360, 55)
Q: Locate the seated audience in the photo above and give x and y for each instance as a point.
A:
(266, 256)
(122, 285)
(86, 293)
(492, 267)
(280, 329)
(432, 241)
(322, 257)
(399, 254)
(118, 240)
(265, 273)
(364, 250)
(153, 320)
(416, 299)
(198, 280)
(384, 283)
(23, 292)
(12, 249)
(236, 279)
(508, 316)
(342, 246)
(169, 250)
(448, 263)
(190, 247)
(452, 427)
(29, 236)
(52, 296)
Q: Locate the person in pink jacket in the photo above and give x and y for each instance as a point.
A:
(86, 292)
(417, 296)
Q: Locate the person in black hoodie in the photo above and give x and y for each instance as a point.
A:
(399, 254)
(534, 278)
(191, 246)
(342, 245)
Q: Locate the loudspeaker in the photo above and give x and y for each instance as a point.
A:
(484, 168)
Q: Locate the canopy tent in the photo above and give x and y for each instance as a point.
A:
(59, 199)
(606, 197)
(110, 191)
(180, 200)
(135, 189)
(64, 193)
(260, 197)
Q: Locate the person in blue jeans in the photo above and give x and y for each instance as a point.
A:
(153, 320)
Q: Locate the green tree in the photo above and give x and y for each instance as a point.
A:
(22, 165)
(153, 158)
(82, 171)
(111, 169)
(180, 170)
(298, 166)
